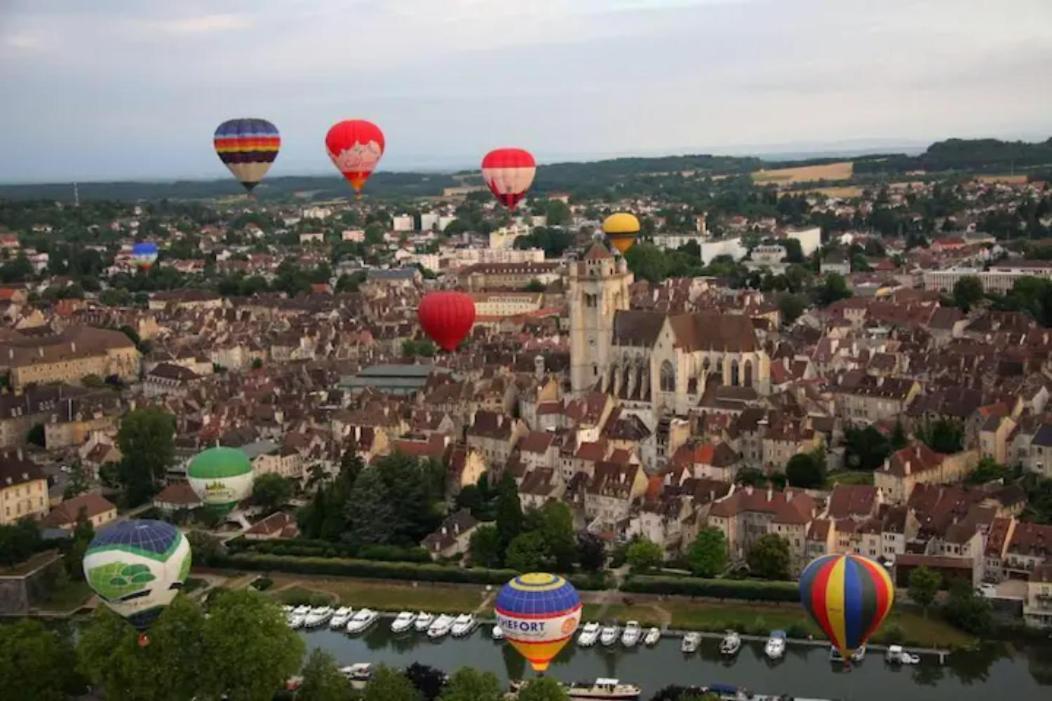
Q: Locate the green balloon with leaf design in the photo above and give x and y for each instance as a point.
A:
(137, 567)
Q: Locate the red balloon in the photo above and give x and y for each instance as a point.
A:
(447, 317)
(509, 173)
(355, 147)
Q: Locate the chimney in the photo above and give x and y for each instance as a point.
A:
(770, 493)
(907, 467)
(538, 367)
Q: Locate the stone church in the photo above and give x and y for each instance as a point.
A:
(657, 364)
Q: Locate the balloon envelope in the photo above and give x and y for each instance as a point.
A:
(137, 567)
(538, 613)
(355, 147)
(144, 254)
(447, 317)
(247, 147)
(221, 477)
(508, 173)
(848, 596)
(621, 230)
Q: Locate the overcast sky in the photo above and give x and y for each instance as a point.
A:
(104, 89)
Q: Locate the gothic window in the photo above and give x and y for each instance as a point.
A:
(668, 377)
(734, 373)
(747, 373)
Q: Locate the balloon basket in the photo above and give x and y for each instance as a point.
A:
(143, 640)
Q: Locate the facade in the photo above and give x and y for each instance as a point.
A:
(23, 488)
(96, 509)
(69, 356)
(710, 250)
(1037, 608)
(998, 279)
(508, 276)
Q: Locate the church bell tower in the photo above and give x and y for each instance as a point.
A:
(598, 289)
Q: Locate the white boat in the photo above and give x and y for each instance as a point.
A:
(463, 625)
(318, 616)
(361, 620)
(606, 689)
(856, 656)
(731, 643)
(358, 674)
(589, 634)
(896, 654)
(441, 627)
(423, 621)
(631, 635)
(403, 622)
(652, 638)
(340, 617)
(295, 620)
(287, 609)
(497, 633)
(301, 611)
(775, 647)
(609, 635)
(690, 643)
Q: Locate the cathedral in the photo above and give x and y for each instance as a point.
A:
(657, 364)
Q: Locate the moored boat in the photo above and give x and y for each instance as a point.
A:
(631, 635)
(856, 656)
(403, 622)
(896, 654)
(652, 638)
(589, 634)
(497, 633)
(731, 643)
(358, 674)
(690, 643)
(319, 615)
(604, 689)
(361, 621)
(441, 627)
(775, 647)
(340, 617)
(463, 625)
(423, 621)
(609, 635)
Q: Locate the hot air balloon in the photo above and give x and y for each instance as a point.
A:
(509, 173)
(221, 477)
(355, 147)
(144, 254)
(447, 317)
(247, 147)
(848, 596)
(538, 613)
(621, 230)
(137, 567)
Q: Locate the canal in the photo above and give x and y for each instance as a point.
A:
(1005, 672)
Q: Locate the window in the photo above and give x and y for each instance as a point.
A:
(668, 377)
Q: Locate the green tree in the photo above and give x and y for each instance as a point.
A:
(528, 552)
(988, 470)
(865, 449)
(708, 553)
(18, 541)
(644, 555)
(469, 684)
(205, 547)
(322, 680)
(967, 292)
(557, 529)
(271, 491)
(387, 684)
(557, 213)
(484, 546)
(791, 306)
(251, 651)
(509, 512)
(899, 439)
(942, 435)
(751, 477)
(833, 287)
(393, 502)
(37, 663)
(534, 285)
(73, 558)
(543, 689)
(769, 557)
(923, 586)
(591, 552)
(967, 610)
(805, 470)
(147, 441)
(79, 481)
(35, 435)
(427, 680)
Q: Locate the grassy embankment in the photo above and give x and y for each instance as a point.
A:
(381, 595)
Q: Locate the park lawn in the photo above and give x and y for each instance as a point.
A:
(759, 619)
(384, 595)
(850, 477)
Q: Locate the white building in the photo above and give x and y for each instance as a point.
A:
(428, 221)
(354, 235)
(672, 241)
(317, 213)
(402, 222)
(710, 250)
(463, 257)
(505, 236)
(445, 220)
(998, 279)
(810, 238)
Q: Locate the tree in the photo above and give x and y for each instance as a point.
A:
(509, 512)
(271, 491)
(73, 558)
(251, 651)
(468, 684)
(899, 439)
(534, 285)
(18, 541)
(557, 212)
(769, 557)
(204, 546)
(708, 553)
(393, 503)
(79, 481)
(751, 477)
(805, 470)
(967, 292)
(591, 552)
(484, 546)
(988, 470)
(865, 449)
(146, 439)
(791, 306)
(37, 663)
(35, 435)
(558, 532)
(942, 435)
(644, 555)
(543, 689)
(967, 610)
(528, 552)
(833, 287)
(923, 586)
(428, 681)
(322, 680)
(387, 684)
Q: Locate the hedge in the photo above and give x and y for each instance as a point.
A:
(376, 569)
(305, 547)
(748, 589)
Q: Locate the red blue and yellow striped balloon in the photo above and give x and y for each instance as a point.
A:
(538, 613)
(849, 596)
(247, 147)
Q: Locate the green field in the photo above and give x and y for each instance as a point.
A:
(382, 595)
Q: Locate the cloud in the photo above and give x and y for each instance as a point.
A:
(204, 24)
(24, 42)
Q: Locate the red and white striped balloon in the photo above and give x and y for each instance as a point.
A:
(509, 173)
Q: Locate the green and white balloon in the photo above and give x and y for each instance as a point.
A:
(221, 477)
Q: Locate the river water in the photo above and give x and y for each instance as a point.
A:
(1002, 672)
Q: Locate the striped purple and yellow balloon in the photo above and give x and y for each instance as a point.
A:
(247, 147)
(848, 596)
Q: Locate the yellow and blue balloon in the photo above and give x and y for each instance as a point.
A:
(538, 613)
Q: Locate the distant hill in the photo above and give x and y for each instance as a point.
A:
(586, 178)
